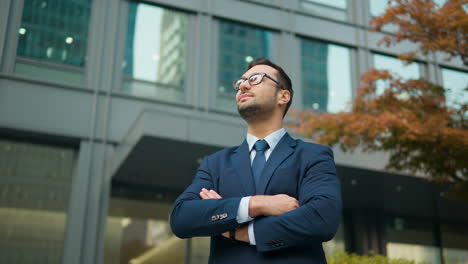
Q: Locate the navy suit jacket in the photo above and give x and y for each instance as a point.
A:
(302, 170)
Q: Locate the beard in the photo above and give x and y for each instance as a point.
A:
(255, 111)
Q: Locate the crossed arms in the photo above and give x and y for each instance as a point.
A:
(280, 221)
(259, 205)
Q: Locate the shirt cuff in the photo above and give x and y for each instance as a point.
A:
(243, 211)
(251, 234)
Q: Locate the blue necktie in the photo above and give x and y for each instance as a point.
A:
(259, 160)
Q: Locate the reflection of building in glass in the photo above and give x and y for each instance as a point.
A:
(172, 56)
(132, 14)
(35, 184)
(314, 75)
(238, 45)
(55, 31)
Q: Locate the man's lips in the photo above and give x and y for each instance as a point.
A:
(244, 96)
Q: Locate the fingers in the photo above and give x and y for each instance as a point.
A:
(209, 194)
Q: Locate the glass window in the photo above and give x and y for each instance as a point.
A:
(456, 83)
(377, 7)
(326, 76)
(396, 67)
(35, 183)
(54, 33)
(326, 8)
(411, 239)
(455, 244)
(138, 231)
(335, 3)
(156, 52)
(238, 46)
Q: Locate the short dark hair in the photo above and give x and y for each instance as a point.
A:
(283, 78)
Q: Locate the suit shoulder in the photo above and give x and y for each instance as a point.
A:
(313, 147)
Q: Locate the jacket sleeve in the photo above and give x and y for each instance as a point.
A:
(191, 216)
(318, 217)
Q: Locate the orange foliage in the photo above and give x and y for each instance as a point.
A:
(434, 28)
(410, 120)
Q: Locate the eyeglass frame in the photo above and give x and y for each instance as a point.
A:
(263, 74)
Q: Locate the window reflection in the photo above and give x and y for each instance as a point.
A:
(396, 67)
(455, 83)
(35, 184)
(138, 232)
(54, 32)
(334, 3)
(411, 239)
(238, 46)
(156, 52)
(326, 76)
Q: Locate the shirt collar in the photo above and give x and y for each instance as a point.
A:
(271, 139)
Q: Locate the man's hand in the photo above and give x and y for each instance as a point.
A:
(271, 205)
(209, 194)
(242, 233)
(258, 205)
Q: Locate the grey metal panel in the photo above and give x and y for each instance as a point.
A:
(43, 108)
(455, 63)
(93, 231)
(375, 37)
(7, 61)
(248, 13)
(195, 5)
(326, 30)
(4, 16)
(77, 207)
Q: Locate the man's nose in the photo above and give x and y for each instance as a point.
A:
(245, 85)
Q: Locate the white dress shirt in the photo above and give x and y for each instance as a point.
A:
(243, 211)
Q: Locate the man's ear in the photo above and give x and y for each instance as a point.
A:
(284, 96)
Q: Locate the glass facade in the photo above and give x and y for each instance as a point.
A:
(238, 46)
(326, 76)
(395, 67)
(138, 232)
(35, 183)
(155, 53)
(456, 83)
(54, 33)
(157, 58)
(411, 239)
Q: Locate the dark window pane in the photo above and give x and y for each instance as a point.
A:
(326, 76)
(55, 31)
(246, 43)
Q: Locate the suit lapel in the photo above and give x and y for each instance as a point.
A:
(241, 161)
(283, 150)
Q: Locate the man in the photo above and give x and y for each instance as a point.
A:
(272, 199)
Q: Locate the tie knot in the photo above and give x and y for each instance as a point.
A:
(261, 145)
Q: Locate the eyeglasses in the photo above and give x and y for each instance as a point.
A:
(254, 79)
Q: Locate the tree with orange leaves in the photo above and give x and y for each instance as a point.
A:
(411, 119)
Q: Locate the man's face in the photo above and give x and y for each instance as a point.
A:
(256, 101)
